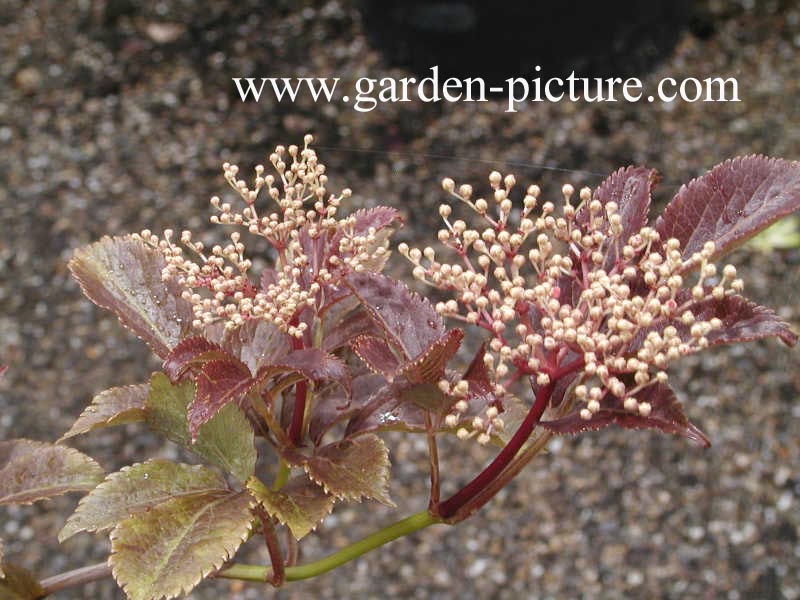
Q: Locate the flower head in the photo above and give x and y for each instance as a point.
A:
(567, 283)
(314, 246)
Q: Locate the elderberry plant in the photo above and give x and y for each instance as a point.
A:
(281, 381)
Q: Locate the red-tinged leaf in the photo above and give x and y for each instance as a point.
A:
(31, 471)
(123, 275)
(191, 352)
(403, 315)
(3, 369)
(477, 374)
(430, 366)
(742, 321)
(376, 354)
(388, 409)
(166, 551)
(376, 218)
(630, 188)
(316, 365)
(343, 331)
(352, 469)
(17, 583)
(219, 382)
(731, 203)
(301, 504)
(257, 343)
(116, 406)
(333, 404)
(666, 415)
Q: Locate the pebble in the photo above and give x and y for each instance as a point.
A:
(118, 118)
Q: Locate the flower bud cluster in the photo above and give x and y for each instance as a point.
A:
(301, 220)
(480, 427)
(551, 282)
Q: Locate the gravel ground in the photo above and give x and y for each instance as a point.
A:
(115, 116)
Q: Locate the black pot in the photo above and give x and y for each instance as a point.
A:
(497, 40)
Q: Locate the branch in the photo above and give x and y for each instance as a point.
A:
(261, 573)
(62, 581)
(451, 506)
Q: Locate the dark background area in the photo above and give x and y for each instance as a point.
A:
(116, 115)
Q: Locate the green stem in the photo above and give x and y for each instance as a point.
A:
(282, 477)
(261, 573)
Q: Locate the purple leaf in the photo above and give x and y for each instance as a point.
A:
(315, 365)
(123, 275)
(430, 366)
(666, 415)
(731, 203)
(404, 316)
(390, 408)
(742, 321)
(219, 382)
(345, 330)
(630, 188)
(377, 218)
(333, 404)
(257, 343)
(376, 354)
(191, 352)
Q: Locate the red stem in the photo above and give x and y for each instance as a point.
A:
(298, 414)
(450, 506)
(296, 426)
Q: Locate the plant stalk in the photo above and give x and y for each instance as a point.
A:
(62, 581)
(261, 573)
(451, 506)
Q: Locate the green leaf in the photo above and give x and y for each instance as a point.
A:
(168, 550)
(227, 440)
(31, 471)
(138, 488)
(783, 235)
(117, 406)
(19, 584)
(300, 504)
(353, 468)
(123, 275)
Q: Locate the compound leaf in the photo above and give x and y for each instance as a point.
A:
(353, 468)
(226, 440)
(31, 471)
(17, 583)
(731, 203)
(115, 406)
(123, 275)
(166, 551)
(403, 315)
(666, 415)
(138, 488)
(300, 504)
